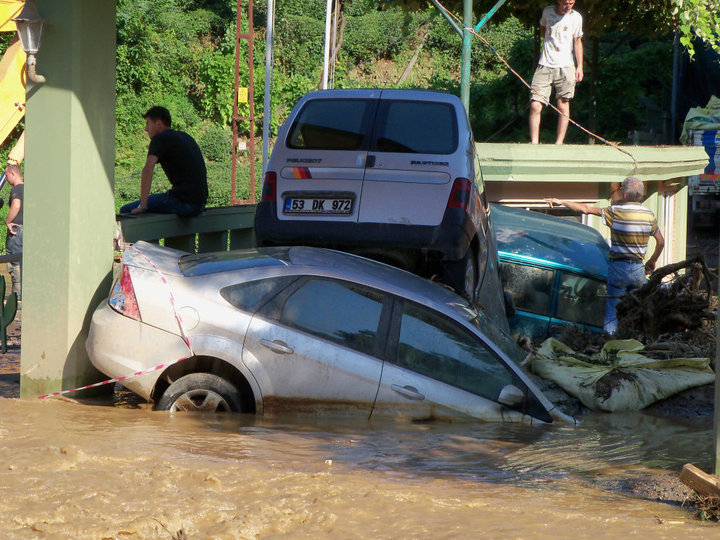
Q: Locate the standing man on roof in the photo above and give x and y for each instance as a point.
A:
(562, 29)
(631, 226)
(183, 163)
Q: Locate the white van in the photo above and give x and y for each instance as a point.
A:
(387, 174)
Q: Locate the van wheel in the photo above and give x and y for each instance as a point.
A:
(201, 392)
(462, 274)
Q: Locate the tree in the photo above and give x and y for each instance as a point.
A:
(697, 19)
(694, 19)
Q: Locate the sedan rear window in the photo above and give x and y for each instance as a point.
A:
(225, 261)
(416, 127)
(331, 124)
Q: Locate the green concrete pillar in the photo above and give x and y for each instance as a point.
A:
(69, 211)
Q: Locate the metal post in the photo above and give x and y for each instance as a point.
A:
(267, 103)
(673, 99)
(326, 58)
(466, 50)
(716, 418)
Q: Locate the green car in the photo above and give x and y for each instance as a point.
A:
(554, 269)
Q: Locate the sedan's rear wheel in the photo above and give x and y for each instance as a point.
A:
(201, 392)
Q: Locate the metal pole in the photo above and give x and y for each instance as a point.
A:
(326, 58)
(267, 102)
(489, 14)
(675, 82)
(466, 50)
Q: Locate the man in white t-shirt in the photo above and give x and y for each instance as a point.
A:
(562, 29)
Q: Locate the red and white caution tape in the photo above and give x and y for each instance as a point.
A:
(117, 379)
(144, 371)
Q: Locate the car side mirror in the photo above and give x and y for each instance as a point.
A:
(511, 395)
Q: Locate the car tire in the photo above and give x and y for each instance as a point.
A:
(462, 275)
(201, 392)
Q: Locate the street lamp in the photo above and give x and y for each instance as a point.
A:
(29, 27)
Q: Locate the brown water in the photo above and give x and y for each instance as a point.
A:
(72, 470)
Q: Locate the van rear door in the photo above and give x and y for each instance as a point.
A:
(407, 177)
(321, 170)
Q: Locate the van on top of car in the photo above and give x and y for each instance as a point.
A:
(388, 174)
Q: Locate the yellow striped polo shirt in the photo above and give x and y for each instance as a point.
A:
(631, 225)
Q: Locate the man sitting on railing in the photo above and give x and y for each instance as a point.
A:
(181, 159)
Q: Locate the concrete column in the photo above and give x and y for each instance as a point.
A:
(69, 211)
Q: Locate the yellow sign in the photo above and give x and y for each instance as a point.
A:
(242, 95)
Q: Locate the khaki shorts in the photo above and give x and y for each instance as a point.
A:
(546, 78)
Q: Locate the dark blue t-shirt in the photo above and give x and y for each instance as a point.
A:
(183, 163)
(17, 192)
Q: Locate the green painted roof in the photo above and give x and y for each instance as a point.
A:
(587, 163)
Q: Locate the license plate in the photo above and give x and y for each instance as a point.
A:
(301, 205)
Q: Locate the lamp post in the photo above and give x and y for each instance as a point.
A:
(29, 27)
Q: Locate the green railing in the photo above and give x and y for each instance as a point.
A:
(216, 229)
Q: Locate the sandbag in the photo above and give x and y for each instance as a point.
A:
(619, 377)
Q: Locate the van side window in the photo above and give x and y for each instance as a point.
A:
(529, 287)
(416, 127)
(330, 124)
(581, 299)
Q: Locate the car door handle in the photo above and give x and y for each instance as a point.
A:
(276, 346)
(408, 392)
(370, 161)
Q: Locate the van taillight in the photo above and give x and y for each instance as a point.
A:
(269, 190)
(460, 194)
(122, 297)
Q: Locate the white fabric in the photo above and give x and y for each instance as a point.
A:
(560, 33)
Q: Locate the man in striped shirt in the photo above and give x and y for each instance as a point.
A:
(631, 226)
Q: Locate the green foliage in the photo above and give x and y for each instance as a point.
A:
(698, 19)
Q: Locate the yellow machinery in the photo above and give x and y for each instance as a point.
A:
(12, 81)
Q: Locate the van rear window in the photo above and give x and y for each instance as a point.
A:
(331, 124)
(416, 127)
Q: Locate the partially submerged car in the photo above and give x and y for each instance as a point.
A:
(388, 174)
(554, 269)
(305, 329)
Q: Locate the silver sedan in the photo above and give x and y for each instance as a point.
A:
(304, 329)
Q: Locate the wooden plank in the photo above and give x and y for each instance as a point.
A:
(705, 484)
(148, 226)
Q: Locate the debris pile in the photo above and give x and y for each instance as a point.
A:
(672, 314)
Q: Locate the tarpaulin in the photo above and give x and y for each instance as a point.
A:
(619, 377)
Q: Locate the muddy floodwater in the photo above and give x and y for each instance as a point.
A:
(79, 470)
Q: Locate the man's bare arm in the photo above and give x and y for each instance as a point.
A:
(12, 214)
(659, 245)
(578, 46)
(578, 207)
(146, 181)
